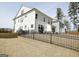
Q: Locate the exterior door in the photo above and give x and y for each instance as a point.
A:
(40, 28)
(53, 30)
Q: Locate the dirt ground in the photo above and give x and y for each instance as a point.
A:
(23, 47)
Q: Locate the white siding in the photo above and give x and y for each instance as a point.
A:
(58, 28)
(27, 21)
(40, 20)
(56, 24)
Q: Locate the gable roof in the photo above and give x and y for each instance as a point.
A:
(22, 6)
(23, 14)
(44, 13)
(30, 11)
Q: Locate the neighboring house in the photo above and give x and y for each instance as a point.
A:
(59, 26)
(34, 20)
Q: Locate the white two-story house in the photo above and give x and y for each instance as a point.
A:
(34, 20)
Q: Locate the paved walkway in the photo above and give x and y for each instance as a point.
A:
(28, 47)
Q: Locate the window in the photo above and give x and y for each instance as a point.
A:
(21, 20)
(36, 16)
(48, 22)
(32, 26)
(22, 11)
(44, 20)
(25, 26)
(39, 26)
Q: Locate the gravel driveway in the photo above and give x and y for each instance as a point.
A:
(19, 47)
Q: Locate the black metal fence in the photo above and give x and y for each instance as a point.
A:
(65, 40)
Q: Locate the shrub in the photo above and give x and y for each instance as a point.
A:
(20, 31)
(2, 30)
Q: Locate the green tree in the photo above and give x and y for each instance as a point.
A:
(73, 13)
(59, 14)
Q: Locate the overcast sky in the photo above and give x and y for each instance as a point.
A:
(9, 10)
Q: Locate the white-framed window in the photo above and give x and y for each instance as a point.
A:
(36, 16)
(48, 21)
(31, 25)
(21, 20)
(25, 26)
(44, 19)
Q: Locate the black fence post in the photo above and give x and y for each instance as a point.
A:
(50, 38)
(33, 35)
